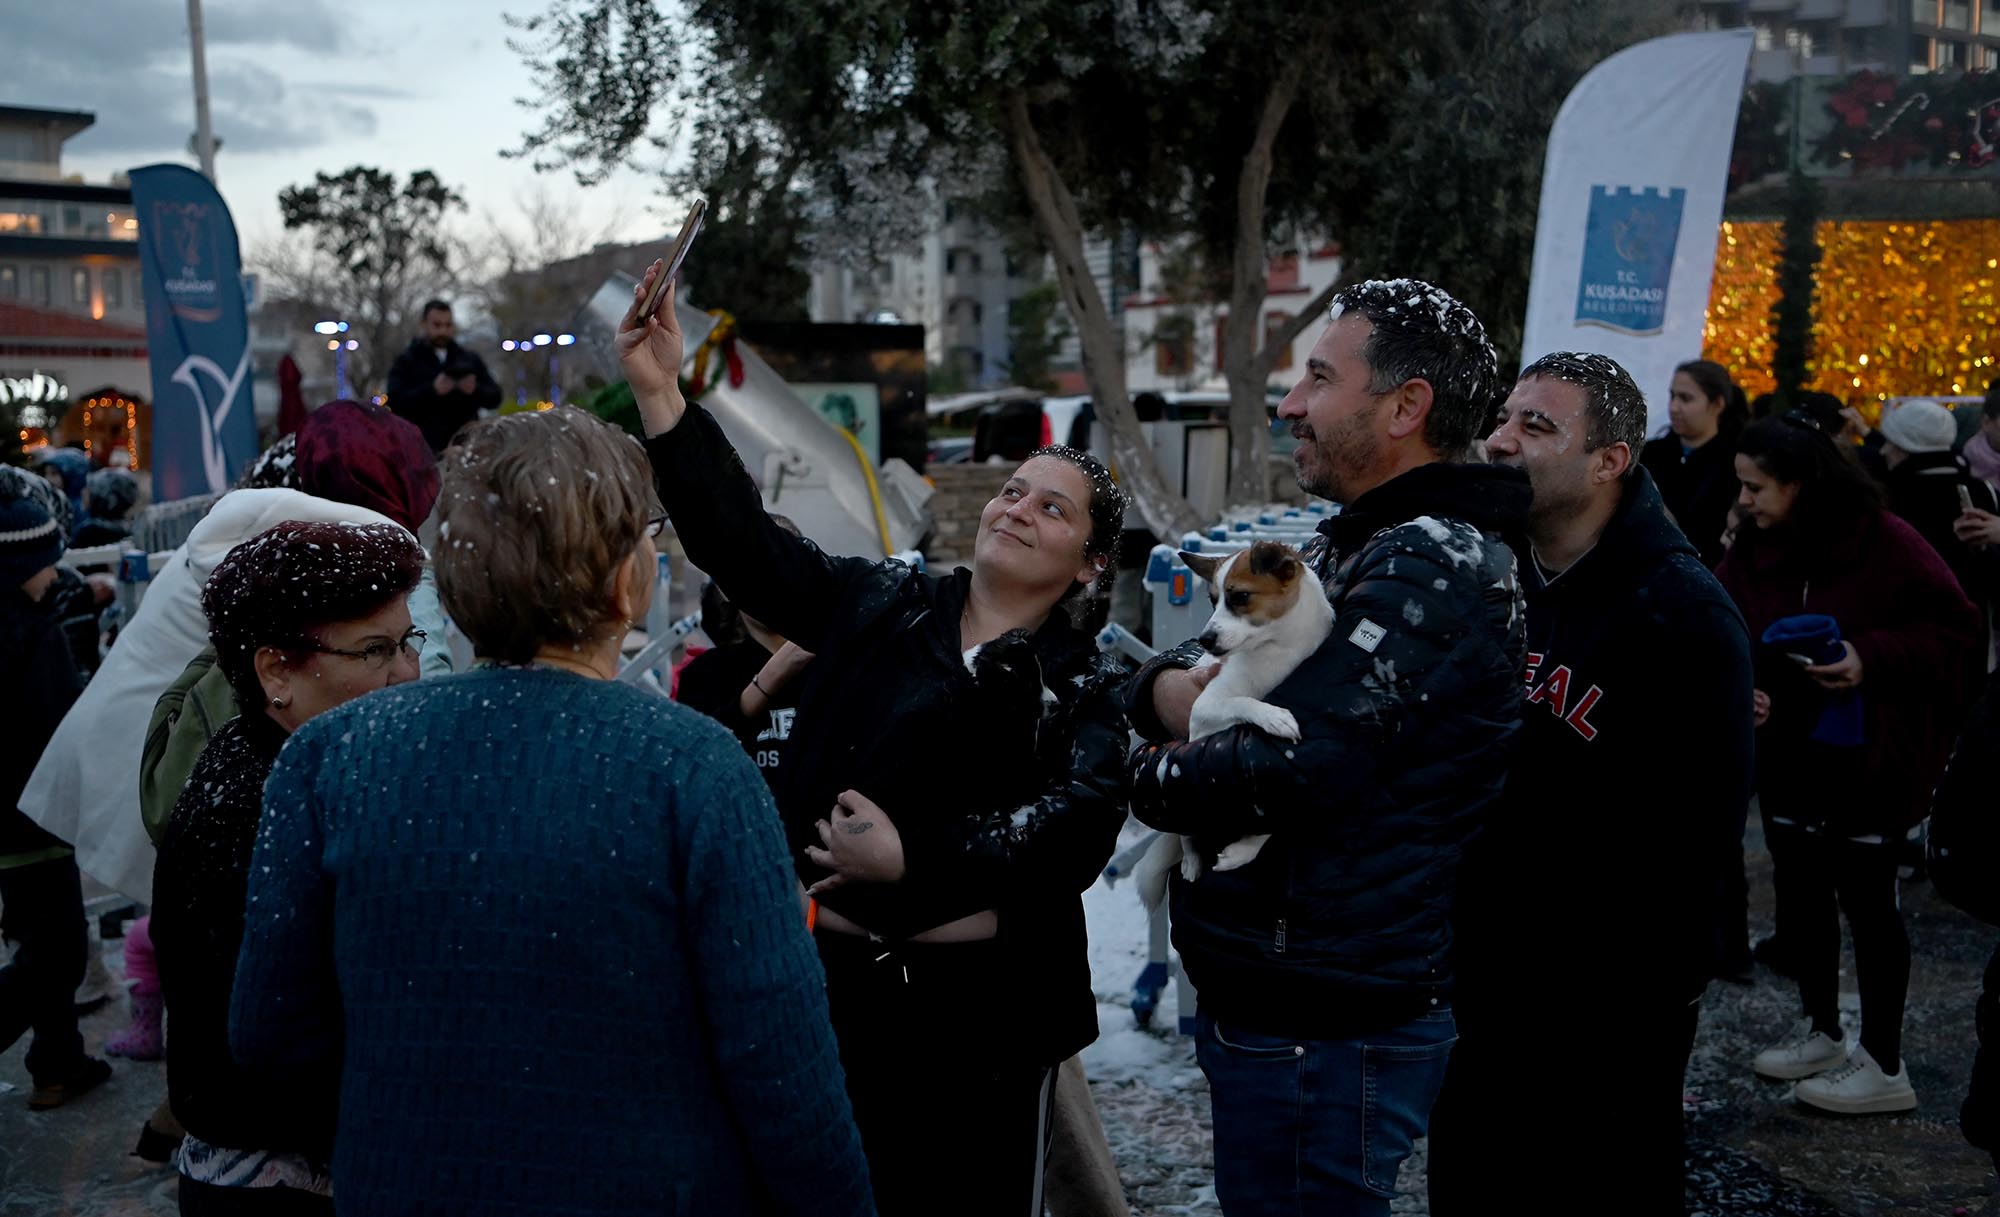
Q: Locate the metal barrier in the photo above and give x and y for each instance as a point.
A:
(134, 570)
(643, 669)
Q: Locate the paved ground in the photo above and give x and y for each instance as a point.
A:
(1751, 1150)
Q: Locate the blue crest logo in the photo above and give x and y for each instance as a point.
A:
(186, 246)
(1628, 258)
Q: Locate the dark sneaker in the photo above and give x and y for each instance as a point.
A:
(87, 1076)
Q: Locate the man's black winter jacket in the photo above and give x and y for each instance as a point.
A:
(413, 395)
(1408, 714)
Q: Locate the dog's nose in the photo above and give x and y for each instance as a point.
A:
(1208, 640)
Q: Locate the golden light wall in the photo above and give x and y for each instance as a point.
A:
(1901, 308)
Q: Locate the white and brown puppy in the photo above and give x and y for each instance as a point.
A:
(1270, 614)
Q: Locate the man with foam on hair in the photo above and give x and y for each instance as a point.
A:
(1324, 966)
(1598, 889)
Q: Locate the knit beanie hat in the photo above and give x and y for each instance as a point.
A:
(1920, 426)
(43, 491)
(110, 494)
(30, 539)
(70, 465)
(360, 453)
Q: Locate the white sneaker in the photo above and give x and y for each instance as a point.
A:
(1859, 1088)
(1800, 1054)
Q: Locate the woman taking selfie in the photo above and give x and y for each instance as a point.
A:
(948, 841)
(1860, 679)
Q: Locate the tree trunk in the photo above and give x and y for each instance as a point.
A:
(1249, 424)
(1163, 511)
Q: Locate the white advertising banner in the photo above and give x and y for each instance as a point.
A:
(1631, 205)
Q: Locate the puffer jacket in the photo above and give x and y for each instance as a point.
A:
(987, 820)
(1408, 715)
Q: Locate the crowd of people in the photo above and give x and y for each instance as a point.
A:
(520, 937)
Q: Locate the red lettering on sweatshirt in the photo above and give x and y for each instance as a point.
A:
(1554, 693)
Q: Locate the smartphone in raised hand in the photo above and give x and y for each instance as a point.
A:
(673, 267)
(1964, 499)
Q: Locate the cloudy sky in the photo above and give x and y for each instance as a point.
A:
(303, 86)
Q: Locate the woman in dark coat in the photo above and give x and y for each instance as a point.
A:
(304, 617)
(1853, 732)
(946, 819)
(1693, 464)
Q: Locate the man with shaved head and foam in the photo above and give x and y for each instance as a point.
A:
(1591, 908)
(1324, 964)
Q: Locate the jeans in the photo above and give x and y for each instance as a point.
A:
(43, 917)
(1318, 1126)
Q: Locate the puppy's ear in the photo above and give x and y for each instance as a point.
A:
(1275, 560)
(1202, 564)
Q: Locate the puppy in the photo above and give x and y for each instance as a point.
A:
(1270, 614)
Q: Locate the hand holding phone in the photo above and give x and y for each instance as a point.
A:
(682, 243)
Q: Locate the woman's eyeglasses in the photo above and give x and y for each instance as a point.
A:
(655, 526)
(377, 655)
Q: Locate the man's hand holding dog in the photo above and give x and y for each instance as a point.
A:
(1174, 693)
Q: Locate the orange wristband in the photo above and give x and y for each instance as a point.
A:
(812, 915)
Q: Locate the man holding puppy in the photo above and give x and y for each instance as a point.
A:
(1591, 909)
(1324, 964)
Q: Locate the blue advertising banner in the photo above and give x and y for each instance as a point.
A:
(197, 333)
(1628, 258)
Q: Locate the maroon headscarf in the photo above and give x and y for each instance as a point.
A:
(360, 453)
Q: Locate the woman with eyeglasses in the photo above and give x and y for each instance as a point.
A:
(541, 921)
(1866, 640)
(304, 617)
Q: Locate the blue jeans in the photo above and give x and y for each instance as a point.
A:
(1318, 1126)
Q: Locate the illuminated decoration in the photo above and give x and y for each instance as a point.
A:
(1900, 308)
(112, 420)
(36, 387)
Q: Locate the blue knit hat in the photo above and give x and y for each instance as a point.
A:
(30, 539)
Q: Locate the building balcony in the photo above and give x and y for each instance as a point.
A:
(1772, 66)
(1866, 14)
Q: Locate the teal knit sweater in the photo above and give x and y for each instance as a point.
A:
(549, 927)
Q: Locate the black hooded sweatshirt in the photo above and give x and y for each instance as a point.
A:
(1604, 870)
(1408, 715)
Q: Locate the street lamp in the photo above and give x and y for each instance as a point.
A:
(340, 350)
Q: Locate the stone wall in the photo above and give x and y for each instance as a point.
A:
(962, 492)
